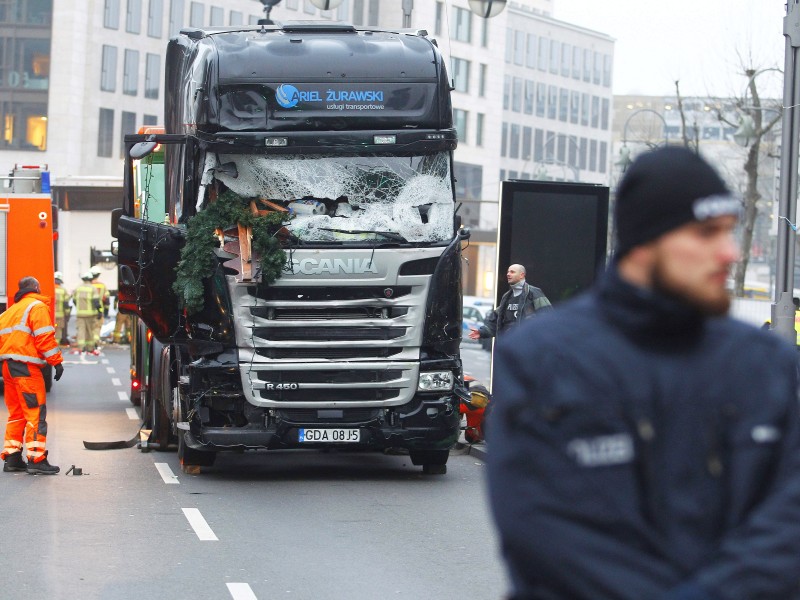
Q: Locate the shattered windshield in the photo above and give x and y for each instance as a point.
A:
(361, 199)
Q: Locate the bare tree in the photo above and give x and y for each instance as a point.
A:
(691, 144)
(754, 126)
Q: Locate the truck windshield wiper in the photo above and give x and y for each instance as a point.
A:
(390, 235)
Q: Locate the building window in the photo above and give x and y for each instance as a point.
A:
(573, 152)
(196, 13)
(604, 115)
(374, 14)
(597, 65)
(563, 104)
(554, 48)
(236, 18)
(552, 102)
(460, 69)
(217, 16)
(541, 99)
(149, 120)
(479, 121)
(574, 107)
(127, 125)
(462, 24)
(606, 70)
(152, 75)
(576, 62)
(105, 133)
(133, 17)
(176, 8)
(108, 73)
(595, 112)
(506, 92)
(566, 60)
(509, 45)
(358, 12)
(482, 75)
(460, 123)
(538, 145)
(111, 14)
(593, 155)
(155, 18)
(526, 143)
(585, 109)
(24, 125)
(130, 76)
(601, 161)
(437, 24)
(344, 12)
(485, 33)
(291, 4)
(541, 62)
(504, 140)
(584, 148)
(587, 65)
(25, 63)
(519, 47)
(530, 55)
(513, 141)
(308, 8)
(253, 20)
(516, 94)
(530, 93)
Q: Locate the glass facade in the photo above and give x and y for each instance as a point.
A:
(25, 33)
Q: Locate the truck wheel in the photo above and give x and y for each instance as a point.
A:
(190, 457)
(434, 462)
(159, 396)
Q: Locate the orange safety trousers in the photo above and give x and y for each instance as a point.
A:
(25, 398)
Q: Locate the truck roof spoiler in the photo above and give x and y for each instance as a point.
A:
(317, 26)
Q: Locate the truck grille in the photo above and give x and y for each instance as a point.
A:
(319, 333)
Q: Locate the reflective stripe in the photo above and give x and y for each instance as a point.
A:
(12, 445)
(28, 310)
(35, 454)
(35, 444)
(22, 328)
(51, 352)
(23, 358)
(42, 330)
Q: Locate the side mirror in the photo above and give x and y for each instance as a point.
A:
(115, 247)
(142, 149)
(116, 213)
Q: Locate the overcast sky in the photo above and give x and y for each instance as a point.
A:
(694, 41)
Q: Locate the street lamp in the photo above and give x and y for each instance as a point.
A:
(487, 8)
(326, 4)
(268, 6)
(625, 160)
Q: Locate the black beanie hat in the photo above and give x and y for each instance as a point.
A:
(665, 189)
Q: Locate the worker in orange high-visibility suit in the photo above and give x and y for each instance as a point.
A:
(27, 343)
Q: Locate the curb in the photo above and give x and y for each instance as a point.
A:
(476, 450)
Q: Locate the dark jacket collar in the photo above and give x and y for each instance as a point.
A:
(647, 315)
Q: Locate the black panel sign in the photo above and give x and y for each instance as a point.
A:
(557, 231)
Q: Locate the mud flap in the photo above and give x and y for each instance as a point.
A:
(112, 445)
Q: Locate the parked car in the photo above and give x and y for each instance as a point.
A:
(472, 316)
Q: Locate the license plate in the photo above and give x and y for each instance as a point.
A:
(329, 435)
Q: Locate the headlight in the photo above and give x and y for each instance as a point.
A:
(435, 381)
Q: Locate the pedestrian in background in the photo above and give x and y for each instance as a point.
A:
(102, 292)
(644, 445)
(520, 302)
(87, 308)
(27, 343)
(61, 308)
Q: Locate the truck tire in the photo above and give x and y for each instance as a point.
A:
(434, 462)
(159, 385)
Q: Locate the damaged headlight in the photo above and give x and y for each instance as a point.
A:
(435, 381)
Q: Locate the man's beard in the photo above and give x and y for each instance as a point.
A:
(712, 307)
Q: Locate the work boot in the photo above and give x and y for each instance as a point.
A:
(14, 462)
(42, 467)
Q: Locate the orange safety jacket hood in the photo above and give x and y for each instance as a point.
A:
(27, 333)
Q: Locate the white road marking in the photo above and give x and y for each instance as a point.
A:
(199, 524)
(166, 473)
(241, 591)
(132, 414)
(123, 395)
(104, 361)
(116, 381)
(110, 370)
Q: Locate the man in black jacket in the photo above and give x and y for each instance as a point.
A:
(520, 302)
(643, 444)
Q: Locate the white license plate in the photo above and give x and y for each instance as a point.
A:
(329, 435)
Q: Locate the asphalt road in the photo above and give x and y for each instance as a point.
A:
(299, 525)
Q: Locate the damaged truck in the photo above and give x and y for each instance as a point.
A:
(290, 248)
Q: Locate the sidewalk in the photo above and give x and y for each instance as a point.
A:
(477, 450)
